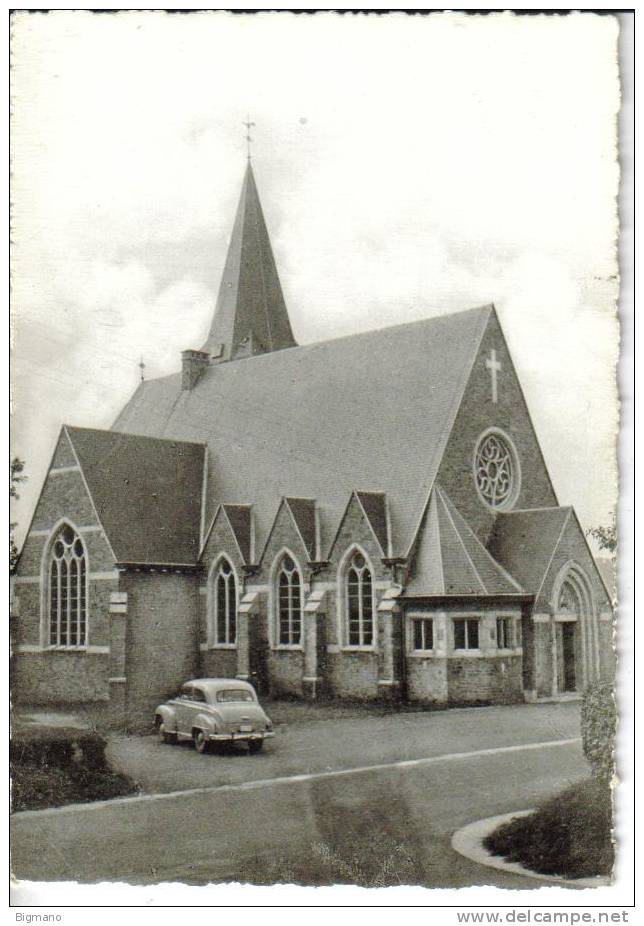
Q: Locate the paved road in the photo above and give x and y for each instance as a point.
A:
(389, 824)
(301, 748)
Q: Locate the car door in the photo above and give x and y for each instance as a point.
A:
(184, 708)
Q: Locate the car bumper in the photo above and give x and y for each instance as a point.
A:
(240, 737)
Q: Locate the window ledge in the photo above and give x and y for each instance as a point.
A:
(510, 651)
(67, 649)
(358, 649)
(222, 646)
(424, 654)
(288, 648)
(470, 653)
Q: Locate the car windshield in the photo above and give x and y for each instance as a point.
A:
(234, 694)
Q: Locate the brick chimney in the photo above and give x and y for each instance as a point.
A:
(193, 365)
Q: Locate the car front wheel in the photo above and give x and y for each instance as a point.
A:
(255, 746)
(200, 741)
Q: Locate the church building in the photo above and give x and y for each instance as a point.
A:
(370, 517)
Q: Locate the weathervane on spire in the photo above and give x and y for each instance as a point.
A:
(141, 367)
(249, 125)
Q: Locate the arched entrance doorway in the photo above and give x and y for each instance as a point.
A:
(575, 654)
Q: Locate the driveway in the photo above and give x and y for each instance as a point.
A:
(326, 745)
(372, 801)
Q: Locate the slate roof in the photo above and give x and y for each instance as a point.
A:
(239, 518)
(146, 491)
(524, 541)
(374, 505)
(303, 513)
(450, 559)
(250, 314)
(316, 421)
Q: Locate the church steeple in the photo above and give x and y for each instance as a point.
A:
(250, 315)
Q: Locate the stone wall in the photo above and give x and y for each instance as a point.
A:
(39, 674)
(161, 641)
(476, 414)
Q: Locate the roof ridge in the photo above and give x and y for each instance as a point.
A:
(552, 555)
(90, 495)
(448, 501)
(134, 434)
(461, 542)
(448, 425)
(295, 498)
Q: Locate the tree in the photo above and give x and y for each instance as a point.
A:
(606, 537)
(15, 477)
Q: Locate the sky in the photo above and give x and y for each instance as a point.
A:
(407, 167)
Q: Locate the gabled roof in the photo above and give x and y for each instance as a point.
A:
(239, 518)
(146, 491)
(524, 542)
(374, 505)
(450, 559)
(316, 421)
(303, 513)
(250, 315)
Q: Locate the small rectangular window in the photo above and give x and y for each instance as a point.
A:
(504, 633)
(423, 633)
(466, 633)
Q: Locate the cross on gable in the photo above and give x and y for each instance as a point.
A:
(494, 366)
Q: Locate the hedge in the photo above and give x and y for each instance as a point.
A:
(57, 746)
(598, 728)
(51, 766)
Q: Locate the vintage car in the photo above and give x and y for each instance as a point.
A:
(214, 710)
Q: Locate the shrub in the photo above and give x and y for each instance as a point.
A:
(57, 746)
(58, 765)
(598, 727)
(568, 835)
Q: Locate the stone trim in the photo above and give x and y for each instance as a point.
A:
(60, 470)
(92, 576)
(315, 602)
(540, 618)
(249, 603)
(117, 681)
(606, 617)
(92, 650)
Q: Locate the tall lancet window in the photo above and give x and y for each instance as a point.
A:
(359, 602)
(289, 603)
(67, 590)
(225, 604)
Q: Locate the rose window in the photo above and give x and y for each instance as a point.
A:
(496, 471)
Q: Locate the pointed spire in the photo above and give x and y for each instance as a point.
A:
(250, 315)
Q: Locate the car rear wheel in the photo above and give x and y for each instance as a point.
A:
(255, 746)
(201, 741)
(164, 735)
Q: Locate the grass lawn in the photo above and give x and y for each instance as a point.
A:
(568, 835)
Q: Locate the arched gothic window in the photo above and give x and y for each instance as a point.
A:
(225, 604)
(67, 589)
(359, 602)
(289, 603)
